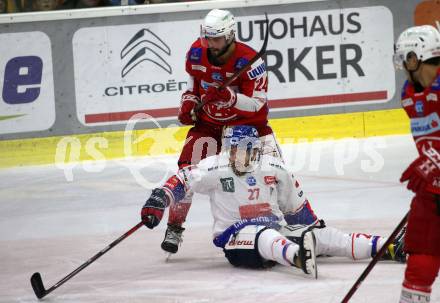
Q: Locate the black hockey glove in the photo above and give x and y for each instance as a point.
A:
(153, 209)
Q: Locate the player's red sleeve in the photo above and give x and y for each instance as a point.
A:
(252, 95)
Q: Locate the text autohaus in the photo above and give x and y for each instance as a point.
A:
(305, 26)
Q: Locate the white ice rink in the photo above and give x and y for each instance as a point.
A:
(52, 220)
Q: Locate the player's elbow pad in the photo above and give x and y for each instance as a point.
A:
(248, 106)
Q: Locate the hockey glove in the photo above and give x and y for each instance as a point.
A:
(424, 172)
(186, 114)
(225, 98)
(153, 209)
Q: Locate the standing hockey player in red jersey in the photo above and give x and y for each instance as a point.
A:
(418, 53)
(212, 59)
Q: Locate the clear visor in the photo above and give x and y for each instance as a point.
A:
(243, 144)
(244, 159)
(399, 59)
(203, 39)
(206, 32)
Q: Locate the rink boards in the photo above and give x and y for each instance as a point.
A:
(169, 140)
(71, 81)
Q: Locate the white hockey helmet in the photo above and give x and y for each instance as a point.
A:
(218, 23)
(423, 41)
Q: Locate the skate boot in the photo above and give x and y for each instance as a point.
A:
(173, 238)
(306, 256)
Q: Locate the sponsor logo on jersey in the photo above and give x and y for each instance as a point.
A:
(195, 54)
(257, 71)
(432, 97)
(436, 183)
(198, 67)
(172, 182)
(240, 63)
(217, 167)
(228, 184)
(434, 156)
(205, 85)
(251, 181)
(152, 49)
(234, 242)
(419, 108)
(425, 125)
(217, 77)
(270, 180)
(276, 165)
(407, 102)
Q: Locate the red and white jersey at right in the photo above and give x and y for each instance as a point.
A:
(423, 108)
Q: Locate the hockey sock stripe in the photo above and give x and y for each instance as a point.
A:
(352, 246)
(425, 289)
(374, 245)
(273, 244)
(284, 253)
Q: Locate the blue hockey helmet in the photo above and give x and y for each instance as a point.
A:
(244, 146)
(241, 136)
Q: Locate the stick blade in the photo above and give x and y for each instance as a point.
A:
(37, 285)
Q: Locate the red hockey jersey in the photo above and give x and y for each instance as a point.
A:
(423, 232)
(251, 87)
(423, 109)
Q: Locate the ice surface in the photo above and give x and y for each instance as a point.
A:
(52, 220)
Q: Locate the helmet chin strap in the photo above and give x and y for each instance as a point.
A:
(418, 87)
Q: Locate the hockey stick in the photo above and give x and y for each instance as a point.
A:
(37, 282)
(376, 258)
(245, 67)
(252, 61)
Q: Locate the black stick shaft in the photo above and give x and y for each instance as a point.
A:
(376, 258)
(252, 61)
(94, 258)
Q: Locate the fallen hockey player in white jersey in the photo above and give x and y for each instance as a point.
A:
(261, 215)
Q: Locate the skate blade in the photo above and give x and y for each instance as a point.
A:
(168, 257)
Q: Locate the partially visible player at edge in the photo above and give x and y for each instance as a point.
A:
(418, 54)
(212, 59)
